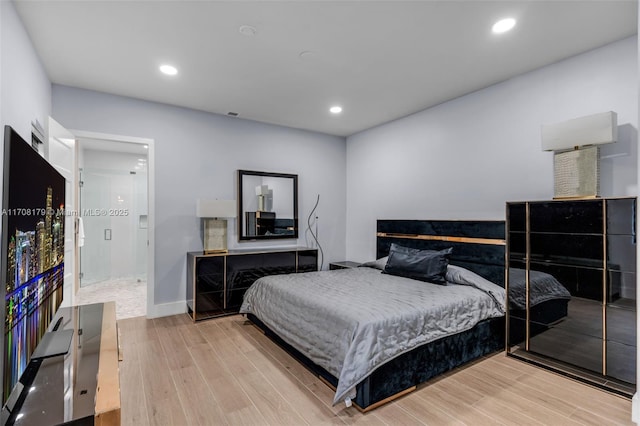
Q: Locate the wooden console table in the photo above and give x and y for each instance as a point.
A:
(81, 387)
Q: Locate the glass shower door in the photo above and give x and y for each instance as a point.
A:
(95, 253)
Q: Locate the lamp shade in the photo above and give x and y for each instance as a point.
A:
(262, 189)
(215, 208)
(595, 129)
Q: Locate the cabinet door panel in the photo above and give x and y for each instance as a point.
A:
(517, 329)
(573, 348)
(577, 249)
(279, 263)
(566, 217)
(191, 274)
(621, 290)
(209, 274)
(517, 243)
(621, 325)
(621, 361)
(213, 265)
(209, 304)
(209, 283)
(621, 253)
(307, 261)
(589, 284)
(517, 217)
(621, 214)
(575, 339)
(242, 278)
(583, 317)
(234, 300)
(517, 313)
(242, 271)
(581, 282)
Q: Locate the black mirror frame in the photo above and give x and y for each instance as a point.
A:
(241, 218)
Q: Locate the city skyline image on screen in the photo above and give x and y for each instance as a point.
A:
(33, 252)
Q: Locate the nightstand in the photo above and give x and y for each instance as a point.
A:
(347, 264)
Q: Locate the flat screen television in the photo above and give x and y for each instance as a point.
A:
(32, 256)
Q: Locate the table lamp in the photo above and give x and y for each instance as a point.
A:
(576, 159)
(215, 214)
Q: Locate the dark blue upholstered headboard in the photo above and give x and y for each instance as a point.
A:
(478, 245)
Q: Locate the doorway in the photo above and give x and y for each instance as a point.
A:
(113, 231)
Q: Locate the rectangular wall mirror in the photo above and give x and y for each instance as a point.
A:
(267, 205)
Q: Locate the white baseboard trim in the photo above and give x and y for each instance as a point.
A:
(634, 408)
(167, 309)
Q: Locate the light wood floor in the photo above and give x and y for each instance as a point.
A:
(225, 372)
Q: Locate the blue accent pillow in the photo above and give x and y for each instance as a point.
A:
(423, 265)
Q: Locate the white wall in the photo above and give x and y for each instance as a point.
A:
(465, 158)
(198, 155)
(25, 89)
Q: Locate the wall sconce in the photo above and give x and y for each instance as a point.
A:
(576, 158)
(215, 214)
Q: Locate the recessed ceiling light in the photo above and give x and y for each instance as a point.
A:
(247, 30)
(168, 69)
(145, 146)
(503, 25)
(335, 109)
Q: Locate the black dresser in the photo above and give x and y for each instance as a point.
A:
(216, 283)
(588, 247)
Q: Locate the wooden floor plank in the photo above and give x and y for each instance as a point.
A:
(157, 381)
(576, 393)
(175, 347)
(499, 386)
(550, 381)
(393, 414)
(280, 355)
(200, 405)
(426, 412)
(588, 418)
(225, 371)
(275, 409)
(288, 386)
(132, 394)
(456, 401)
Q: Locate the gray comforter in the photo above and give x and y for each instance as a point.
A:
(351, 321)
(542, 287)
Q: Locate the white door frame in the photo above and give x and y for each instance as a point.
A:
(60, 150)
(81, 134)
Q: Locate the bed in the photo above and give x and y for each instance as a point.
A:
(476, 246)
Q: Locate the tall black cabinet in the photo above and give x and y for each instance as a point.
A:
(216, 283)
(589, 247)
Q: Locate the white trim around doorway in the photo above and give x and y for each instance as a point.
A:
(152, 310)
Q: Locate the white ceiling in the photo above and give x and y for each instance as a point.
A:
(380, 60)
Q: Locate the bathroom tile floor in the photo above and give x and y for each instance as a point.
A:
(129, 294)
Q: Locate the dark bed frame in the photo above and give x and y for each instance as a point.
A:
(478, 246)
